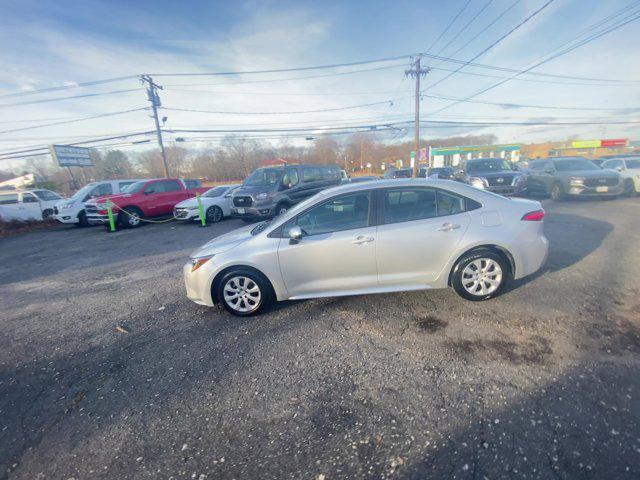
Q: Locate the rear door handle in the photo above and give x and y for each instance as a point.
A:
(446, 227)
(361, 239)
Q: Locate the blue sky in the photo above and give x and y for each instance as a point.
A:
(45, 44)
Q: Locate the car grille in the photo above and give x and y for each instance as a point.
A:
(91, 209)
(501, 181)
(242, 201)
(601, 182)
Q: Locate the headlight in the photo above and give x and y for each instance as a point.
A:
(478, 182)
(197, 262)
(262, 196)
(68, 205)
(577, 181)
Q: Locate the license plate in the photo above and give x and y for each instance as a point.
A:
(241, 210)
(602, 189)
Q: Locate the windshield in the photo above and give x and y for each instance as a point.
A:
(488, 165)
(46, 195)
(577, 164)
(84, 191)
(134, 187)
(265, 177)
(635, 163)
(215, 192)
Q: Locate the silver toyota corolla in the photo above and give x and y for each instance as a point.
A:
(373, 237)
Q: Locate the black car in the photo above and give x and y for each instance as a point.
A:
(442, 173)
(399, 173)
(495, 174)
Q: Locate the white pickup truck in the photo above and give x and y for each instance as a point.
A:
(33, 204)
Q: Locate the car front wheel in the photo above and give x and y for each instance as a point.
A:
(244, 292)
(214, 214)
(480, 275)
(557, 192)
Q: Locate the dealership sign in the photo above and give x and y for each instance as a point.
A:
(611, 142)
(67, 156)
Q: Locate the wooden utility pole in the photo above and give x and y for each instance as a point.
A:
(154, 98)
(417, 72)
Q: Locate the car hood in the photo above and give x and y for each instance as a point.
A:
(240, 191)
(501, 173)
(114, 198)
(591, 173)
(190, 202)
(225, 242)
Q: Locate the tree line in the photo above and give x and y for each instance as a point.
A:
(235, 157)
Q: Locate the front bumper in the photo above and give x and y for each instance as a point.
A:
(582, 191)
(198, 283)
(64, 217)
(186, 214)
(505, 190)
(258, 212)
(98, 219)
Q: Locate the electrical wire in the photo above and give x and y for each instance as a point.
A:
(67, 87)
(457, 35)
(464, 7)
(86, 95)
(83, 119)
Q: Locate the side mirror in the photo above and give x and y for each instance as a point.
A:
(295, 234)
(619, 169)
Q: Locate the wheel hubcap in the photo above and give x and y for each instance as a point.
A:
(242, 294)
(482, 277)
(134, 219)
(282, 210)
(215, 215)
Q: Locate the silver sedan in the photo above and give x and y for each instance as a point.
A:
(373, 237)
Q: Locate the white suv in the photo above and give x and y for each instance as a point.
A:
(71, 210)
(629, 169)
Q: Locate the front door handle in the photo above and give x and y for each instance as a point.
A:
(447, 227)
(361, 239)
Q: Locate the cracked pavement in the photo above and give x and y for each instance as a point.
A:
(541, 382)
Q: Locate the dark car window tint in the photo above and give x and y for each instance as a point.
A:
(310, 174)
(633, 163)
(408, 204)
(341, 213)
(121, 185)
(290, 178)
(449, 204)
(330, 173)
(103, 189)
(8, 198)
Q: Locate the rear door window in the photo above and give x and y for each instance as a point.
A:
(103, 189)
(407, 204)
(310, 174)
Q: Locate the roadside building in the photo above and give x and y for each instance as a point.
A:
(453, 156)
(579, 148)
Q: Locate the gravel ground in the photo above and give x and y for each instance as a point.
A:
(541, 382)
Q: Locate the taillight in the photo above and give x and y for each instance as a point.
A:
(534, 216)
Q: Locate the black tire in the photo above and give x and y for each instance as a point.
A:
(47, 212)
(253, 279)
(629, 188)
(127, 216)
(557, 192)
(82, 220)
(460, 275)
(281, 208)
(213, 214)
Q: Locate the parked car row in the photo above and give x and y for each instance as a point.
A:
(28, 204)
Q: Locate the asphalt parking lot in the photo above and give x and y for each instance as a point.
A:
(541, 382)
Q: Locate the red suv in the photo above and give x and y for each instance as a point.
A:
(143, 199)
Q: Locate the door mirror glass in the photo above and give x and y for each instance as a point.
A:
(295, 234)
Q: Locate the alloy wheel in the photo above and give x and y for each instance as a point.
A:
(482, 276)
(214, 215)
(242, 294)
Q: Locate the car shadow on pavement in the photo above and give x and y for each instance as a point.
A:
(571, 238)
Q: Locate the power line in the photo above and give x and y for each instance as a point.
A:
(485, 50)
(67, 87)
(620, 24)
(453, 20)
(364, 105)
(47, 100)
(83, 119)
(455, 37)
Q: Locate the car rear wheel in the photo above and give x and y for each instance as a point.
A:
(244, 292)
(480, 276)
(281, 209)
(130, 217)
(557, 192)
(214, 214)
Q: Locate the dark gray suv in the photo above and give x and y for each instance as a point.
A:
(271, 191)
(563, 177)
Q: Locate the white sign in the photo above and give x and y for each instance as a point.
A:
(67, 156)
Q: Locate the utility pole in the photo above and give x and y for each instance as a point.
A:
(154, 98)
(417, 72)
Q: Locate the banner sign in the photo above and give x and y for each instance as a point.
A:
(67, 156)
(586, 144)
(615, 142)
(474, 148)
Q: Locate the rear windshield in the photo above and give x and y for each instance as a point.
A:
(571, 165)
